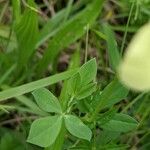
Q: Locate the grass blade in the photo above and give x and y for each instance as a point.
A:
(113, 52)
(27, 35)
(72, 31)
(20, 90)
(16, 9)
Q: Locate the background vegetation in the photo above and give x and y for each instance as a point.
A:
(42, 38)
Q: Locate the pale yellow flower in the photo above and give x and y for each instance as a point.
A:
(134, 70)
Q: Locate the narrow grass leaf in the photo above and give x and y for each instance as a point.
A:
(54, 24)
(72, 31)
(30, 104)
(113, 52)
(27, 34)
(16, 4)
(51, 28)
(68, 10)
(7, 74)
(29, 87)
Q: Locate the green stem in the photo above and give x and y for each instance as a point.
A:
(70, 104)
(86, 44)
(97, 110)
(126, 29)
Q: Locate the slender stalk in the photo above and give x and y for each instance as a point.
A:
(126, 29)
(86, 44)
(97, 110)
(133, 102)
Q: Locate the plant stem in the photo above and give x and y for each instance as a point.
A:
(97, 110)
(86, 44)
(133, 102)
(126, 29)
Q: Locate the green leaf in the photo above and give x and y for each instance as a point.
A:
(47, 101)
(27, 34)
(107, 116)
(16, 4)
(7, 74)
(44, 131)
(120, 123)
(113, 52)
(100, 34)
(72, 30)
(12, 140)
(114, 146)
(29, 103)
(84, 105)
(112, 94)
(79, 84)
(74, 84)
(54, 24)
(88, 71)
(57, 145)
(86, 91)
(67, 91)
(8, 42)
(50, 28)
(28, 87)
(77, 128)
(105, 137)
